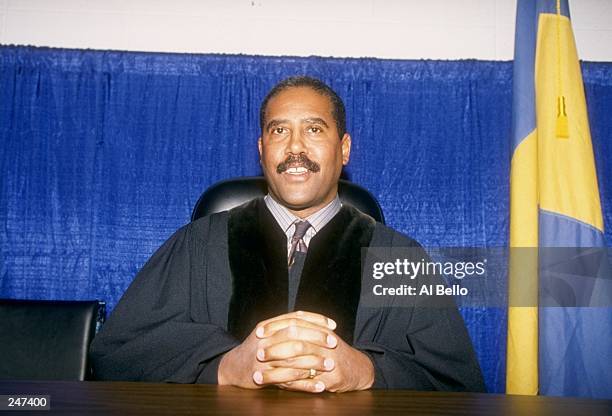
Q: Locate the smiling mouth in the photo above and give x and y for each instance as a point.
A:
(297, 170)
(298, 165)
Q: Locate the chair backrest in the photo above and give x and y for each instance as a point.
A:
(230, 193)
(47, 340)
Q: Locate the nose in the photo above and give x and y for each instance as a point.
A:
(296, 143)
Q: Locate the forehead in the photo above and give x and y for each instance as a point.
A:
(299, 102)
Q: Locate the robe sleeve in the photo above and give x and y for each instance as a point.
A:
(423, 347)
(151, 335)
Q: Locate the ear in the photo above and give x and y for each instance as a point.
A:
(346, 149)
(259, 146)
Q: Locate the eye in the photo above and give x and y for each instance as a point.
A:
(315, 129)
(278, 130)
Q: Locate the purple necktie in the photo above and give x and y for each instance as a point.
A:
(297, 241)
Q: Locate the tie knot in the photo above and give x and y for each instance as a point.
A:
(300, 229)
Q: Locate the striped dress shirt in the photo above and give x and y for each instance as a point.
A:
(318, 220)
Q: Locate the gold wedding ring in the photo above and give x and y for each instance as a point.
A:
(313, 373)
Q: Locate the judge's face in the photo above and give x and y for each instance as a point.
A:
(300, 150)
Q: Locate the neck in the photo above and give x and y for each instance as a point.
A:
(307, 211)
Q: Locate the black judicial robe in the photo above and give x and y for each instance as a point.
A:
(207, 287)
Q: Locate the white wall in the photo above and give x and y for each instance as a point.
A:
(404, 29)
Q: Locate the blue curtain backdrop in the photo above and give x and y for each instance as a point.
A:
(103, 155)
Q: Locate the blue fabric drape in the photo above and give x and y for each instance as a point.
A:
(104, 154)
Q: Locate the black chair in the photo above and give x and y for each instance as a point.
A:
(230, 193)
(47, 340)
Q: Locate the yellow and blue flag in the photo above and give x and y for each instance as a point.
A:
(562, 350)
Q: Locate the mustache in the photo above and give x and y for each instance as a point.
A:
(293, 161)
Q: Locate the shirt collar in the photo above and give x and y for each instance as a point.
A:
(318, 220)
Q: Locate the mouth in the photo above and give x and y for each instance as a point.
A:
(296, 174)
(297, 165)
(300, 170)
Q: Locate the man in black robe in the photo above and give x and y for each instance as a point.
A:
(271, 293)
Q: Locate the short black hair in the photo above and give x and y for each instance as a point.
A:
(338, 111)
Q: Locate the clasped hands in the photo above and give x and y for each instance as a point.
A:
(296, 351)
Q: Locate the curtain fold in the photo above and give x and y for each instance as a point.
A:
(103, 155)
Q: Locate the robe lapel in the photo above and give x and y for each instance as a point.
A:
(258, 262)
(331, 280)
